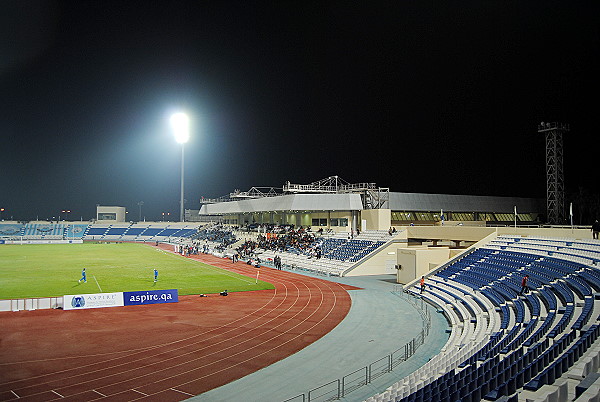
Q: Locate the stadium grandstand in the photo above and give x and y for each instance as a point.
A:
(500, 340)
(506, 344)
(98, 231)
(503, 344)
(354, 227)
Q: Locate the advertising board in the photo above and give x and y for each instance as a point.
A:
(150, 297)
(93, 300)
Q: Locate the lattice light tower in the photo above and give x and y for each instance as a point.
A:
(555, 180)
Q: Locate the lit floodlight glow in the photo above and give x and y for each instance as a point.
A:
(180, 123)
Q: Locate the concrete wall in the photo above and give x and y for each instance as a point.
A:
(119, 213)
(417, 262)
(376, 219)
(462, 223)
(383, 262)
(462, 233)
(547, 232)
(474, 234)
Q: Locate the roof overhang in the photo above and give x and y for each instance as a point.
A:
(290, 202)
(462, 203)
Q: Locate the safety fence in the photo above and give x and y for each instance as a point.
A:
(31, 304)
(341, 387)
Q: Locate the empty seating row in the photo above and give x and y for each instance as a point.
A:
(43, 230)
(551, 370)
(541, 333)
(68, 231)
(136, 232)
(581, 250)
(10, 230)
(348, 250)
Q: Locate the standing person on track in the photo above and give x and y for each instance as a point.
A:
(155, 274)
(83, 276)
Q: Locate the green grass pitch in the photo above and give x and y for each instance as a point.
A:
(48, 270)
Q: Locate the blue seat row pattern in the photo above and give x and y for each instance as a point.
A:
(139, 232)
(78, 231)
(508, 342)
(348, 250)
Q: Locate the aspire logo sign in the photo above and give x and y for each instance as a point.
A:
(150, 297)
(93, 300)
(98, 300)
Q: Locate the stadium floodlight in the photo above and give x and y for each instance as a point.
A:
(180, 124)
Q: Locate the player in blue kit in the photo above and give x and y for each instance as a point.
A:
(83, 277)
(155, 274)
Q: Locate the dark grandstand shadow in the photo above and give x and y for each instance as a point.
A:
(391, 279)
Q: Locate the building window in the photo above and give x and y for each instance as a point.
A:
(402, 216)
(525, 217)
(462, 216)
(505, 217)
(425, 216)
(484, 216)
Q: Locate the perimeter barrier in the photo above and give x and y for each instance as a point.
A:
(31, 304)
(341, 387)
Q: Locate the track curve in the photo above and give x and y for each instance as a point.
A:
(166, 352)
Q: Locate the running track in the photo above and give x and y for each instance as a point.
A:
(166, 352)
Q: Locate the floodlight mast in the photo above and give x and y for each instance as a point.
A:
(180, 124)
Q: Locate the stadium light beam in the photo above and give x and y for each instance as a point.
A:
(180, 124)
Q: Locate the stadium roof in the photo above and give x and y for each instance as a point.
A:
(462, 203)
(397, 202)
(291, 202)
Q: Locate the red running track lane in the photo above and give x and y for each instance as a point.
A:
(165, 352)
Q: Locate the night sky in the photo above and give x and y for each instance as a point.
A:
(417, 96)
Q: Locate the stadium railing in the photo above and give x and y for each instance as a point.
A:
(342, 387)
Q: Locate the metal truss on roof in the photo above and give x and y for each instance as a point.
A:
(331, 184)
(255, 192)
(372, 196)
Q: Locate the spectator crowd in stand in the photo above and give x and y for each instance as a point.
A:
(292, 240)
(217, 234)
(275, 238)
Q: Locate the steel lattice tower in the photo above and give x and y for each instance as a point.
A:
(555, 181)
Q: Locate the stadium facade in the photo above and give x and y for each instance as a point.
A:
(335, 204)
